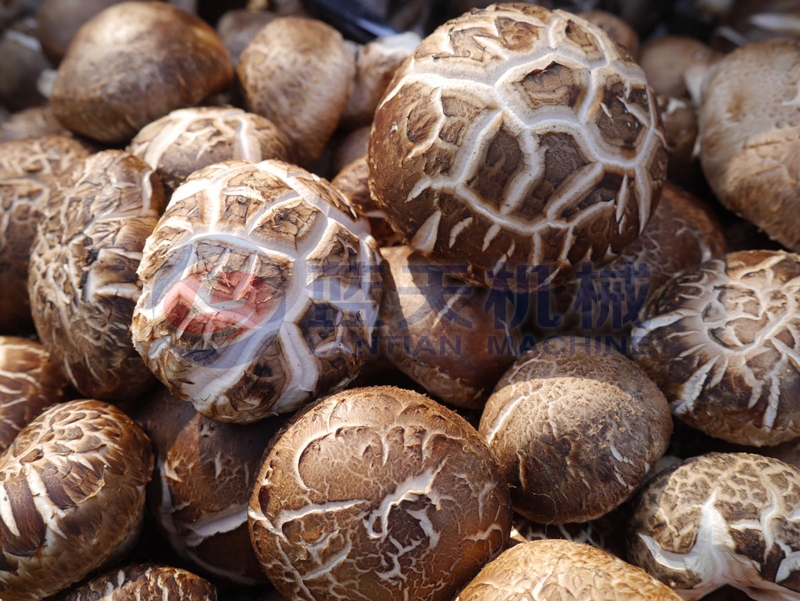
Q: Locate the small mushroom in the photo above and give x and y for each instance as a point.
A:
(21, 62)
(719, 341)
(617, 29)
(521, 154)
(721, 518)
(29, 169)
(145, 583)
(238, 27)
(558, 570)
(675, 65)
(681, 130)
(73, 492)
(298, 73)
(750, 132)
(29, 383)
(133, 63)
(187, 140)
(82, 278)
(575, 430)
(260, 291)
(377, 493)
(31, 123)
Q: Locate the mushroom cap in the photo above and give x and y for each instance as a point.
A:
(503, 143)
(667, 61)
(187, 140)
(74, 482)
(205, 473)
(29, 383)
(31, 123)
(82, 279)
(145, 583)
(21, 63)
(681, 129)
(377, 493)
(559, 570)
(260, 290)
(617, 29)
(721, 518)
(719, 341)
(575, 430)
(750, 132)
(439, 331)
(29, 170)
(238, 27)
(133, 63)
(298, 73)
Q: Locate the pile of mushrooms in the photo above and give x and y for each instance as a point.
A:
(399, 300)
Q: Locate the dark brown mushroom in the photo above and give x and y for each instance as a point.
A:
(145, 583)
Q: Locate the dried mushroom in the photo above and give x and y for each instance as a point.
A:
(381, 494)
(73, 492)
(145, 583)
(260, 291)
(31, 123)
(719, 340)
(675, 65)
(21, 62)
(82, 279)
(540, 148)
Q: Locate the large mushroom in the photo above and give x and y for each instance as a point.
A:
(145, 583)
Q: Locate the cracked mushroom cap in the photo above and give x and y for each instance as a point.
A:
(750, 132)
(518, 137)
(205, 473)
(82, 279)
(377, 493)
(720, 341)
(133, 63)
(558, 570)
(189, 139)
(575, 430)
(260, 291)
(73, 491)
(145, 583)
(29, 383)
(721, 518)
(29, 170)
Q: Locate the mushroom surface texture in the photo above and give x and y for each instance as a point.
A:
(558, 570)
(439, 331)
(719, 341)
(133, 63)
(187, 140)
(575, 429)
(145, 583)
(205, 473)
(82, 278)
(540, 148)
(675, 65)
(29, 170)
(261, 289)
(721, 518)
(29, 383)
(750, 132)
(298, 73)
(616, 28)
(73, 492)
(377, 493)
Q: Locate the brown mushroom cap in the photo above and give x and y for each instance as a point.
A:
(133, 63)
(31, 123)
(681, 129)
(238, 27)
(73, 491)
(520, 153)
(21, 62)
(750, 132)
(669, 60)
(575, 430)
(377, 493)
(145, 583)
(260, 291)
(617, 29)
(721, 518)
(298, 73)
(28, 171)
(558, 570)
(187, 140)
(29, 383)
(205, 473)
(82, 279)
(719, 341)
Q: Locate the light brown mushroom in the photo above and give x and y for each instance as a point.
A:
(557, 570)
(575, 429)
(145, 583)
(675, 65)
(73, 492)
(298, 73)
(721, 518)
(617, 28)
(82, 278)
(381, 494)
(133, 63)
(498, 157)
